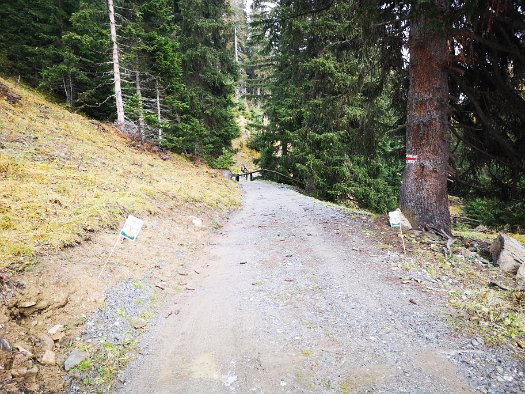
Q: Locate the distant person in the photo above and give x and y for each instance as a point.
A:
(244, 170)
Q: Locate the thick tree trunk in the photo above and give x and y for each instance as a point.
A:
(116, 65)
(424, 195)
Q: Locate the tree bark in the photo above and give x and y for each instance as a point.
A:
(159, 114)
(141, 120)
(116, 65)
(424, 194)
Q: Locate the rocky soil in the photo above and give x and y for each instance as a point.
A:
(294, 295)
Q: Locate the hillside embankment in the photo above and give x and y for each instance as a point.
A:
(67, 184)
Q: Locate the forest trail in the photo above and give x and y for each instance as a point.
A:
(295, 297)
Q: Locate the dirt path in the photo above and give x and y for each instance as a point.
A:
(293, 297)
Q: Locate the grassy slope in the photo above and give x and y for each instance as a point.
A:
(63, 175)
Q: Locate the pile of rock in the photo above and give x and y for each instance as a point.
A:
(509, 255)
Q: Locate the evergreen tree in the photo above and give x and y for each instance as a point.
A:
(328, 108)
(207, 123)
(31, 35)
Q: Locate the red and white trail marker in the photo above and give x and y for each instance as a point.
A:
(410, 159)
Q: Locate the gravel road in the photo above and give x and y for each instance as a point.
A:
(294, 297)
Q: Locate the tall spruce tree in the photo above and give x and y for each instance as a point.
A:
(328, 105)
(207, 123)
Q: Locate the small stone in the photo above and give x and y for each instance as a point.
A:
(197, 222)
(31, 374)
(4, 344)
(46, 343)
(508, 378)
(23, 348)
(32, 387)
(75, 358)
(55, 329)
(19, 372)
(49, 358)
(26, 304)
(65, 341)
(20, 360)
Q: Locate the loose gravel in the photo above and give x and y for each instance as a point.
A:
(295, 296)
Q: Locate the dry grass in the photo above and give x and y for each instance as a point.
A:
(245, 155)
(63, 176)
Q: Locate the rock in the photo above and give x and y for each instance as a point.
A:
(3, 318)
(75, 358)
(30, 376)
(19, 372)
(26, 304)
(46, 343)
(49, 358)
(508, 253)
(32, 372)
(405, 224)
(29, 307)
(60, 300)
(520, 275)
(197, 222)
(65, 341)
(23, 348)
(4, 344)
(55, 329)
(20, 360)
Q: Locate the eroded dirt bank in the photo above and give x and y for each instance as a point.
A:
(293, 296)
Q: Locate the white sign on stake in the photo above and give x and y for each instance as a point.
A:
(395, 219)
(130, 231)
(131, 228)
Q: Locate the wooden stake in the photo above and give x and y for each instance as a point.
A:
(110, 254)
(402, 240)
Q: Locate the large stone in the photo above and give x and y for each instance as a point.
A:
(508, 253)
(405, 224)
(75, 358)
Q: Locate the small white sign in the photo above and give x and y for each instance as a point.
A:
(131, 228)
(395, 219)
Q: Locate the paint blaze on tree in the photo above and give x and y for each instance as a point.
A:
(424, 196)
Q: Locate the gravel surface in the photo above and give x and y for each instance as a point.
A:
(117, 324)
(295, 297)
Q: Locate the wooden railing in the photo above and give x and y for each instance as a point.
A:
(276, 175)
